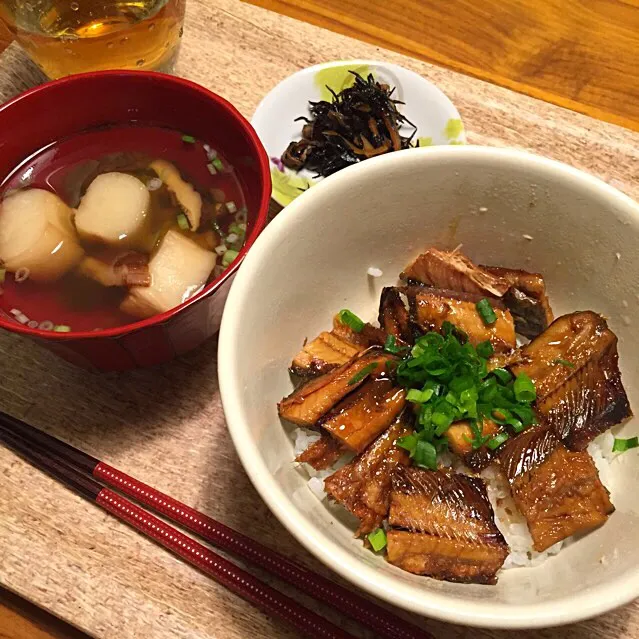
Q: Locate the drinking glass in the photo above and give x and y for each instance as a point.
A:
(65, 37)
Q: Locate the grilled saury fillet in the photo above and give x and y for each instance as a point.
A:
(558, 491)
(526, 299)
(393, 315)
(363, 486)
(574, 365)
(322, 453)
(305, 405)
(430, 308)
(323, 354)
(361, 416)
(460, 436)
(443, 526)
(455, 272)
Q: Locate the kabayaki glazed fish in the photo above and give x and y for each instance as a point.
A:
(558, 491)
(363, 486)
(574, 365)
(443, 526)
(449, 380)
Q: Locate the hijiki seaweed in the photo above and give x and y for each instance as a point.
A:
(360, 122)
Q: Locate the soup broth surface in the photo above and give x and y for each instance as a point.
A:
(67, 168)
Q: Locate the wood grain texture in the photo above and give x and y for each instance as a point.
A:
(5, 36)
(20, 619)
(166, 426)
(577, 54)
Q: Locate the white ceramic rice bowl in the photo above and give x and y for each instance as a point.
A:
(506, 207)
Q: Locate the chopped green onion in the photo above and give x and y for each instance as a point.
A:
(183, 222)
(622, 445)
(486, 311)
(211, 168)
(485, 349)
(563, 362)
(188, 138)
(231, 206)
(502, 375)
(425, 455)
(61, 328)
(351, 320)
(217, 163)
(229, 256)
(524, 388)
(3, 274)
(377, 539)
(358, 377)
(419, 397)
(408, 442)
(390, 346)
(497, 441)
(238, 229)
(447, 380)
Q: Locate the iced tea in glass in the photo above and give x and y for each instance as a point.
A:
(65, 37)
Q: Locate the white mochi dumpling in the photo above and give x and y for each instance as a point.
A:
(115, 211)
(179, 268)
(36, 233)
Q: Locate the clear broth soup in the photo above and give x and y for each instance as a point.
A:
(132, 246)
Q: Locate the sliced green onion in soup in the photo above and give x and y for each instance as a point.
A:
(183, 222)
(229, 256)
(61, 328)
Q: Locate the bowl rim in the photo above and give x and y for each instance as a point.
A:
(260, 220)
(446, 607)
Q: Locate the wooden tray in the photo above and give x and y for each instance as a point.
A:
(96, 573)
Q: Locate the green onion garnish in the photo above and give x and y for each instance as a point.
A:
(237, 229)
(229, 256)
(447, 381)
(189, 139)
(486, 311)
(183, 222)
(502, 375)
(351, 320)
(390, 346)
(217, 163)
(425, 455)
(563, 362)
(496, 441)
(622, 445)
(408, 442)
(61, 328)
(358, 377)
(485, 349)
(377, 539)
(524, 388)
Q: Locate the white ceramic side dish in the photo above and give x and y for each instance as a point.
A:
(426, 106)
(506, 207)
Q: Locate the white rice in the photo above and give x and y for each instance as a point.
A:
(509, 520)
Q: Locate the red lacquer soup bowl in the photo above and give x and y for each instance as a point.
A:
(95, 101)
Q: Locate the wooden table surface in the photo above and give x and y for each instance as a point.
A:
(580, 55)
(576, 54)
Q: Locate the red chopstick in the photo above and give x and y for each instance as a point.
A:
(221, 570)
(383, 622)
